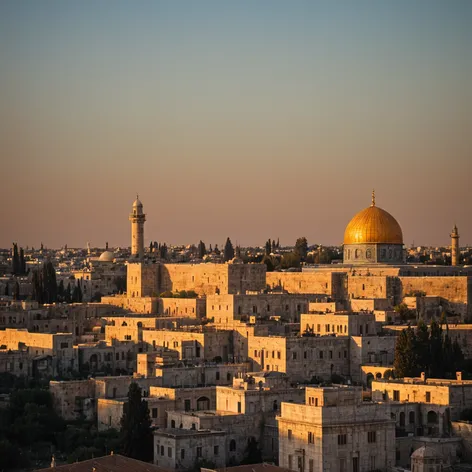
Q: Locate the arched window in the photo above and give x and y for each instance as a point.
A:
(432, 417)
(402, 419)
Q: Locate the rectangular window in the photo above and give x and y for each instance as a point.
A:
(330, 354)
(239, 407)
(321, 354)
(255, 352)
(311, 466)
(371, 437)
(342, 439)
(289, 434)
(396, 395)
(278, 354)
(290, 461)
(372, 462)
(154, 412)
(187, 405)
(199, 451)
(217, 376)
(216, 450)
(355, 464)
(294, 356)
(342, 465)
(182, 453)
(311, 438)
(169, 452)
(428, 397)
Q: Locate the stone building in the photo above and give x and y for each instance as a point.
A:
(339, 324)
(244, 412)
(300, 357)
(227, 308)
(335, 430)
(160, 400)
(192, 345)
(54, 350)
(185, 449)
(455, 394)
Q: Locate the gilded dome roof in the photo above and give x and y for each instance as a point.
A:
(373, 225)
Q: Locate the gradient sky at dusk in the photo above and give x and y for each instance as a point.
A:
(249, 119)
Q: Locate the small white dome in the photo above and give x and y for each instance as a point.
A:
(107, 256)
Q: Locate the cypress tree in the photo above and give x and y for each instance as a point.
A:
(422, 347)
(436, 348)
(229, 250)
(405, 364)
(268, 247)
(15, 260)
(201, 249)
(16, 291)
(136, 430)
(22, 262)
(67, 295)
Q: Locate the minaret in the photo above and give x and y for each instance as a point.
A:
(455, 246)
(137, 219)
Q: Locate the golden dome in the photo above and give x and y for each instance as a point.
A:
(373, 225)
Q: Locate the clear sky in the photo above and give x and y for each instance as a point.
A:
(249, 119)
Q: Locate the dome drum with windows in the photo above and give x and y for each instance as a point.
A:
(373, 236)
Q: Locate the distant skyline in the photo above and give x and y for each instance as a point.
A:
(246, 119)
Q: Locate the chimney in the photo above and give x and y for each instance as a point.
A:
(459, 376)
(423, 377)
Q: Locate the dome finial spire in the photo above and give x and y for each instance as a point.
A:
(373, 197)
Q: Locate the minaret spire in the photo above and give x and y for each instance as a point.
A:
(373, 197)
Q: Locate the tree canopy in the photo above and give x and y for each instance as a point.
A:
(427, 350)
(136, 430)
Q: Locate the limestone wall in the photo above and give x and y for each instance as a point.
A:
(209, 279)
(178, 449)
(318, 436)
(300, 357)
(183, 307)
(456, 290)
(377, 350)
(339, 324)
(226, 308)
(69, 397)
(143, 305)
(142, 280)
(302, 282)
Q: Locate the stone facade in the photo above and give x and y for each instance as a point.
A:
(455, 394)
(339, 324)
(225, 309)
(334, 430)
(192, 346)
(330, 283)
(58, 347)
(185, 449)
(301, 358)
